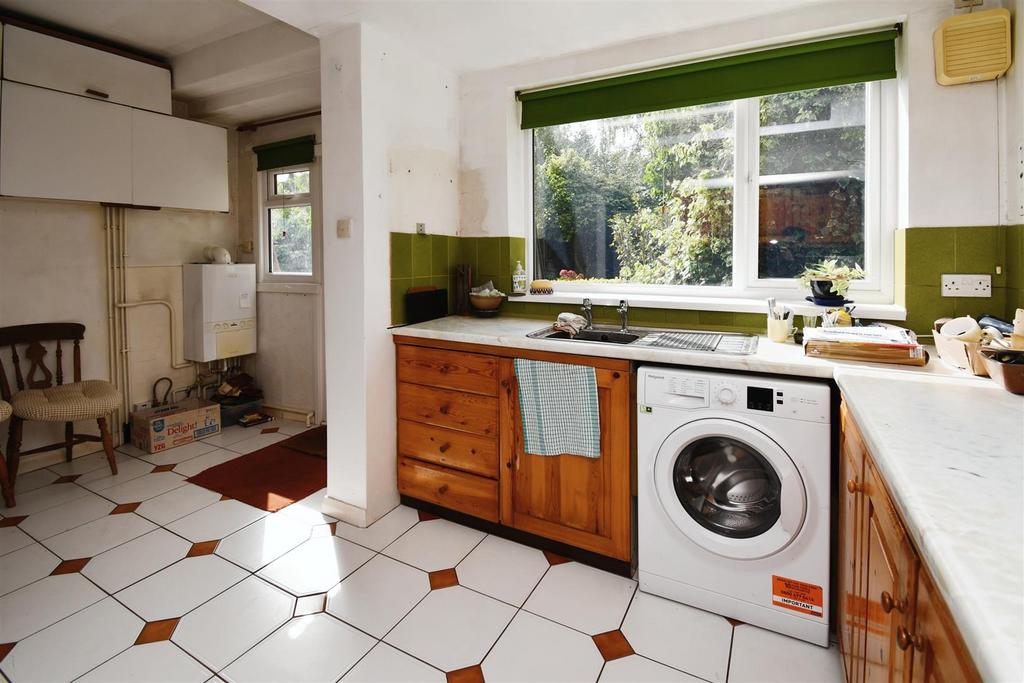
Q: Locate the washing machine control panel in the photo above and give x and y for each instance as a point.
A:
(695, 390)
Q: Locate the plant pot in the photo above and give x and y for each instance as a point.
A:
(822, 290)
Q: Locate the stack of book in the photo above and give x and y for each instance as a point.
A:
(872, 344)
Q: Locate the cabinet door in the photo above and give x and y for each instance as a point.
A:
(939, 655)
(59, 146)
(890, 567)
(177, 163)
(39, 59)
(852, 602)
(584, 502)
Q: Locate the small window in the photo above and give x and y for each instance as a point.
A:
(288, 236)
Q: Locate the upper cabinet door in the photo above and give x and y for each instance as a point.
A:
(178, 163)
(50, 62)
(60, 146)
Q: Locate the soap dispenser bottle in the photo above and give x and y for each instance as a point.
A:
(519, 280)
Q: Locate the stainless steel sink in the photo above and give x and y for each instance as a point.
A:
(684, 340)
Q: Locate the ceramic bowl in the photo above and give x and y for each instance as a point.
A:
(485, 303)
(1005, 367)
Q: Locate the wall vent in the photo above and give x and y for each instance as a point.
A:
(973, 47)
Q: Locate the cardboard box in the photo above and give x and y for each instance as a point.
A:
(157, 429)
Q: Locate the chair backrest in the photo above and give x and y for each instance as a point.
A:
(38, 375)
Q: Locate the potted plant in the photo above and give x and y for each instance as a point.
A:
(829, 281)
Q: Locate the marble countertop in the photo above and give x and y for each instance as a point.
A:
(952, 453)
(950, 447)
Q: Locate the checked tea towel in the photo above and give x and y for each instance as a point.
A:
(559, 406)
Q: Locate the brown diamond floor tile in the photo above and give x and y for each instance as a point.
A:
(269, 430)
(5, 649)
(225, 497)
(443, 578)
(12, 521)
(471, 674)
(163, 468)
(734, 622)
(70, 566)
(66, 479)
(125, 507)
(425, 516)
(155, 631)
(203, 548)
(612, 645)
(554, 558)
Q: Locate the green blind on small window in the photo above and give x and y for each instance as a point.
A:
(285, 153)
(837, 61)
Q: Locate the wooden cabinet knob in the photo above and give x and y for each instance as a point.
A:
(852, 486)
(444, 447)
(443, 409)
(888, 603)
(616, 375)
(443, 369)
(905, 639)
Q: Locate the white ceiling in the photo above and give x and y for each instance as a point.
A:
(472, 35)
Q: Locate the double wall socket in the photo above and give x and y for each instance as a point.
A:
(967, 285)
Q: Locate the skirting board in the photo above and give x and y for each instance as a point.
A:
(285, 413)
(346, 512)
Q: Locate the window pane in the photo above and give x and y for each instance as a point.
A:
(645, 198)
(295, 182)
(291, 240)
(811, 203)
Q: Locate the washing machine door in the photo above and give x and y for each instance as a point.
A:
(730, 488)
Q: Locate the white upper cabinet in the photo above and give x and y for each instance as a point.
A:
(50, 62)
(59, 146)
(178, 163)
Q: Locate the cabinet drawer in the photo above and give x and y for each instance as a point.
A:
(447, 447)
(454, 490)
(448, 369)
(453, 409)
(51, 62)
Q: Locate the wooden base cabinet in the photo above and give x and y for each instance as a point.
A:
(460, 446)
(893, 626)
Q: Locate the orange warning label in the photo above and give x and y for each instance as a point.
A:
(798, 596)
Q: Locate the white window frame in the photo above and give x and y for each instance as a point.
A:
(267, 198)
(879, 221)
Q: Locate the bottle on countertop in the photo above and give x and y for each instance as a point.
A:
(519, 280)
(1017, 338)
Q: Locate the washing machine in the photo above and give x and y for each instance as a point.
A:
(733, 496)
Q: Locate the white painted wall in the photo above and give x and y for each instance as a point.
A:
(390, 150)
(949, 152)
(1011, 144)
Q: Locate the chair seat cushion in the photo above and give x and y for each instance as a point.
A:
(5, 410)
(86, 400)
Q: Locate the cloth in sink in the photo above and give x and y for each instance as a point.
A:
(559, 406)
(570, 323)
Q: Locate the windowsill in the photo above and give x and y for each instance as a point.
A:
(288, 287)
(695, 303)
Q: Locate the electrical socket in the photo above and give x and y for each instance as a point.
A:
(967, 285)
(141, 405)
(421, 228)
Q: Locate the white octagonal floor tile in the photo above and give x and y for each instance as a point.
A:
(313, 648)
(159, 662)
(581, 597)
(227, 435)
(124, 565)
(385, 664)
(83, 641)
(194, 466)
(177, 503)
(256, 442)
(452, 628)
(376, 596)
(308, 510)
(263, 541)
(503, 569)
(12, 538)
(535, 649)
(43, 603)
(128, 468)
(98, 536)
(316, 566)
(681, 636)
(24, 566)
(635, 668)
(384, 531)
(760, 656)
(435, 544)
(181, 587)
(44, 498)
(81, 464)
(36, 479)
(219, 631)
(144, 487)
(70, 515)
(216, 521)
(177, 454)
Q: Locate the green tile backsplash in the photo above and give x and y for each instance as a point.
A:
(922, 256)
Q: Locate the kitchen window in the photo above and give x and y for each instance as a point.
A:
(289, 242)
(722, 198)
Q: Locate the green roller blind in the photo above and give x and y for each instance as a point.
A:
(285, 153)
(850, 59)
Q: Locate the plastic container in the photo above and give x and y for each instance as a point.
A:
(962, 355)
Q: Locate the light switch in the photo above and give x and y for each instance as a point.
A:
(344, 227)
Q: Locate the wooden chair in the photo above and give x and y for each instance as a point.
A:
(5, 482)
(43, 397)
